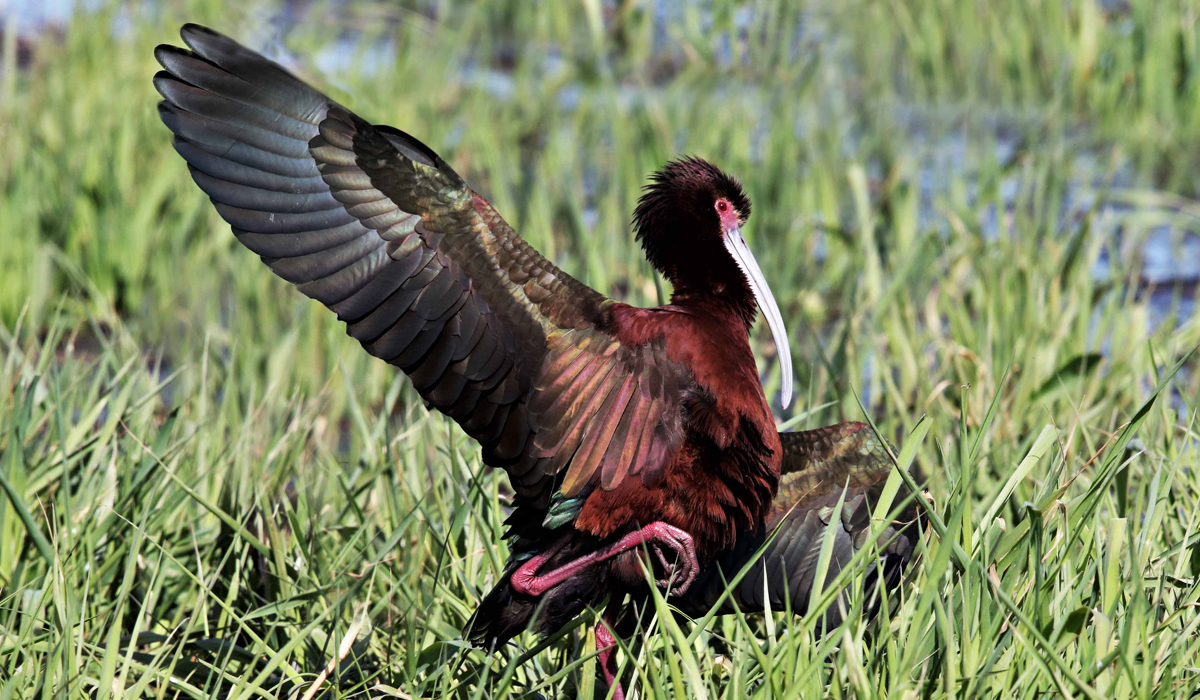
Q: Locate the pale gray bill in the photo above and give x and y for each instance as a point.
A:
(737, 247)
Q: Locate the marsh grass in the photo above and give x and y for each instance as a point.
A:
(211, 491)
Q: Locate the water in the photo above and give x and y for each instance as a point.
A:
(1168, 255)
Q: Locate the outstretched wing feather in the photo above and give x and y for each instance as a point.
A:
(427, 276)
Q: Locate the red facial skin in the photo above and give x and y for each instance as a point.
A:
(728, 215)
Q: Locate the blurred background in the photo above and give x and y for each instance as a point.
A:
(882, 142)
(985, 213)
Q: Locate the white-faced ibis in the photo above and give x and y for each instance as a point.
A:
(622, 429)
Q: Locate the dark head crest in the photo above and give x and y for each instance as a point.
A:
(685, 189)
(676, 219)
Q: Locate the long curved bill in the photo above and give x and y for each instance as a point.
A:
(737, 247)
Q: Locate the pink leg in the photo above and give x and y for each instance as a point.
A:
(607, 644)
(526, 579)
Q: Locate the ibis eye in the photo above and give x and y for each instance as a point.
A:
(722, 205)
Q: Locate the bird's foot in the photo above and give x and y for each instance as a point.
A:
(681, 572)
(658, 536)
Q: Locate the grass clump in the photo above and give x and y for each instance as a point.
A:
(210, 490)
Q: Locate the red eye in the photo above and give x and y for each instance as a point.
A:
(722, 205)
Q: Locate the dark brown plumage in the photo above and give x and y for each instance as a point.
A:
(618, 427)
(818, 466)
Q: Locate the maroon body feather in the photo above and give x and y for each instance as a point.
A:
(607, 418)
(718, 480)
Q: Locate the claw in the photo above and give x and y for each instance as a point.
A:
(671, 569)
(662, 558)
(685, 568)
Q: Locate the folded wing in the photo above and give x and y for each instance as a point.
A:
(818, 466)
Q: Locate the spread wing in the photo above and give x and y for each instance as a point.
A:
(424, 272)
(817, 464)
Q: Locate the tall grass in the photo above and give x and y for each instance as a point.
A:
(211, 490)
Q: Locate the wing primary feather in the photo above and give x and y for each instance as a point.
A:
(368, 210)
(409, 357)
(258, 199)
(274, 245)
(434, 364)
(271, 222)
(396, 338)
(266, 150)
(341, 284)
(243, 174)
(306, 268)
(448, 389)
(345, 177)
(375, 292)
(277, 88)
(356, 197)
(187, 123)
(207, 104)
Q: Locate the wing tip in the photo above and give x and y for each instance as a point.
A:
(213, 45)
(194, 28)
(165, 53)
(165, 83)
(167, 113)
(190, 31)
